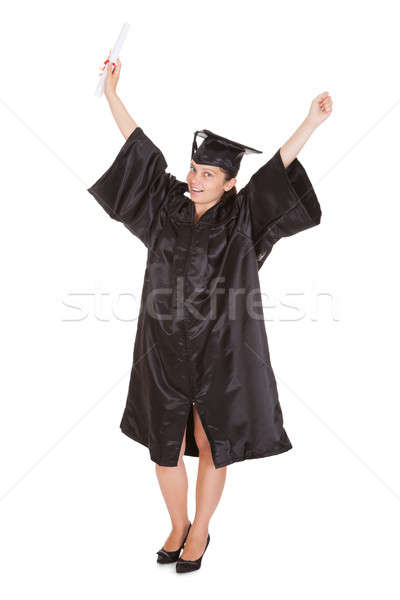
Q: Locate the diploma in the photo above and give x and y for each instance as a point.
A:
(113, 58)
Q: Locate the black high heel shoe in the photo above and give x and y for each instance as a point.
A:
(184, 566)
(170, 556)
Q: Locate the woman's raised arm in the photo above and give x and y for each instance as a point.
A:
(321, 108)
(123, 119)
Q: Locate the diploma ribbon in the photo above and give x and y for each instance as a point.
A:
(113, 63)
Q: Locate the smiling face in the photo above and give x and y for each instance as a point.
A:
(207, 183)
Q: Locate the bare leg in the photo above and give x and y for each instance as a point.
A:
(174, 488)
(209, 486)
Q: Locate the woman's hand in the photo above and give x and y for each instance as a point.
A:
(112, 77)
(320, 110)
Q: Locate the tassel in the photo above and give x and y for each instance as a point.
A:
(194, 144)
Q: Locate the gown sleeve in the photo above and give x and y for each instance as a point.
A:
(280, 202)
(136, 185)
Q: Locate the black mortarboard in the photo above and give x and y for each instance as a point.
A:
(219, 151)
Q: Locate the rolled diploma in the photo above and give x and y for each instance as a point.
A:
(113, 57)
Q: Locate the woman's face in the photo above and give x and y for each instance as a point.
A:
(209, 180)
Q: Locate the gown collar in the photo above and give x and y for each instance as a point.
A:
(215, 215)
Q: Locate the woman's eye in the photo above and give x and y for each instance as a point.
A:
(191, 168)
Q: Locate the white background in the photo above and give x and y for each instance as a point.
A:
(81, 511)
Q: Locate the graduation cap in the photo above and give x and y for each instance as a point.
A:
(219, 151)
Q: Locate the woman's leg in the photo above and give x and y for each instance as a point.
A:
(209, 487)
(174, 488)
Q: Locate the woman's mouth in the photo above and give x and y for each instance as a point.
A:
(196, 190)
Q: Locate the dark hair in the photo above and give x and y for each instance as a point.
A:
(229, 175)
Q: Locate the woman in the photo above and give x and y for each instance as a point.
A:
(202, 382)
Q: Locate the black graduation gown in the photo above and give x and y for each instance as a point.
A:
(201, 334)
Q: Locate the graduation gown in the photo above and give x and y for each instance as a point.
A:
(201, 337)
